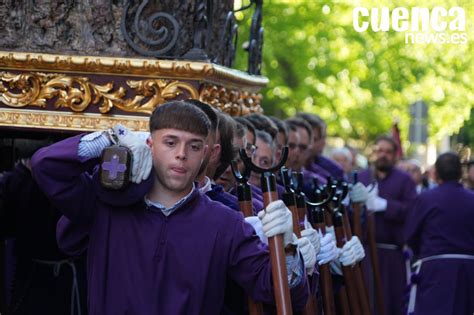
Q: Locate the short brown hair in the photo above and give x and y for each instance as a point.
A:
(388, 139)
(300, 123)
(180, 115)
(315, 121)
(226, 131)
(448, 166)
(263, 123)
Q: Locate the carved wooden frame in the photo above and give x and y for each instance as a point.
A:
(89, 93)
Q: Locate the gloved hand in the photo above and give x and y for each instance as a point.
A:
(358, 193)
(328, 251)
(276, 219)
(309, 256)
(374, 202)
(330, 230)
(257, 226)
(141, 152)
(312, 235)
(347, 257)
(357, 248)
(335, 266)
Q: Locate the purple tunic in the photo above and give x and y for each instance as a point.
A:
(257, 200)
(142, 262)
(330, 166)
(441, 222)
(317, 169)
(399, 190)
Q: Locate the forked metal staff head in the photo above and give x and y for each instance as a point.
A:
(257, 169)
(241, 178)
(286, 179)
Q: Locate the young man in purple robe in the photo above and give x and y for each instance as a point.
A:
(155, 248)
(392, 194)
(440, 231)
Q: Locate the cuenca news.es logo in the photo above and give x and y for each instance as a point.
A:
(421, 25)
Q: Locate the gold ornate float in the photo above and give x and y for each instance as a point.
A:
(88, 93)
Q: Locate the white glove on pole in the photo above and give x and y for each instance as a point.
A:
(357, 248)
(328, 251)
(276, 219)
(309, 256)
(258, 227)
(358, 193)
(374, 202)
(330, 230)
(335, 266)
(312, 235)
(141, 153)
(347, 257)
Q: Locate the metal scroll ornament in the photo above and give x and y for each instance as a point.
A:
(154, 36)
(256, 40)
(228, 42)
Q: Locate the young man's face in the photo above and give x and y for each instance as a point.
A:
(263, 157)
(293, 149)
(280, 142)
(319, 142)
(177, 157)
(304, 146)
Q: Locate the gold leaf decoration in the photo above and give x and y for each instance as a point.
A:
(233, 102)
(78, 93)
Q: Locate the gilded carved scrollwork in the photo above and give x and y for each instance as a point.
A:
(78, 93)
(233, 102)
(172, 69)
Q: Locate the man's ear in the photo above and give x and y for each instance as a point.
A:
(149, 141)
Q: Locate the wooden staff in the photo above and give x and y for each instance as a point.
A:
(325, 279)
(275, 243)
(331, 188)
(343, 299)
(300, 197)
(289, 199)
(375, 263)
(357, 210)
(244, 194)
(361, 289)
(347, 271)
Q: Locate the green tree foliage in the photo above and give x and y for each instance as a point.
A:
(360, 82)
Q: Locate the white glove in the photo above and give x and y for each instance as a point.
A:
(374, 202)
(141, 153)
(330, 230)
(358, 193)
(309, 256)
(357, 248)
(257, 226)
(335, 266)
(313, 237)
(347, 257)
(328, 251)
(276, 219)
